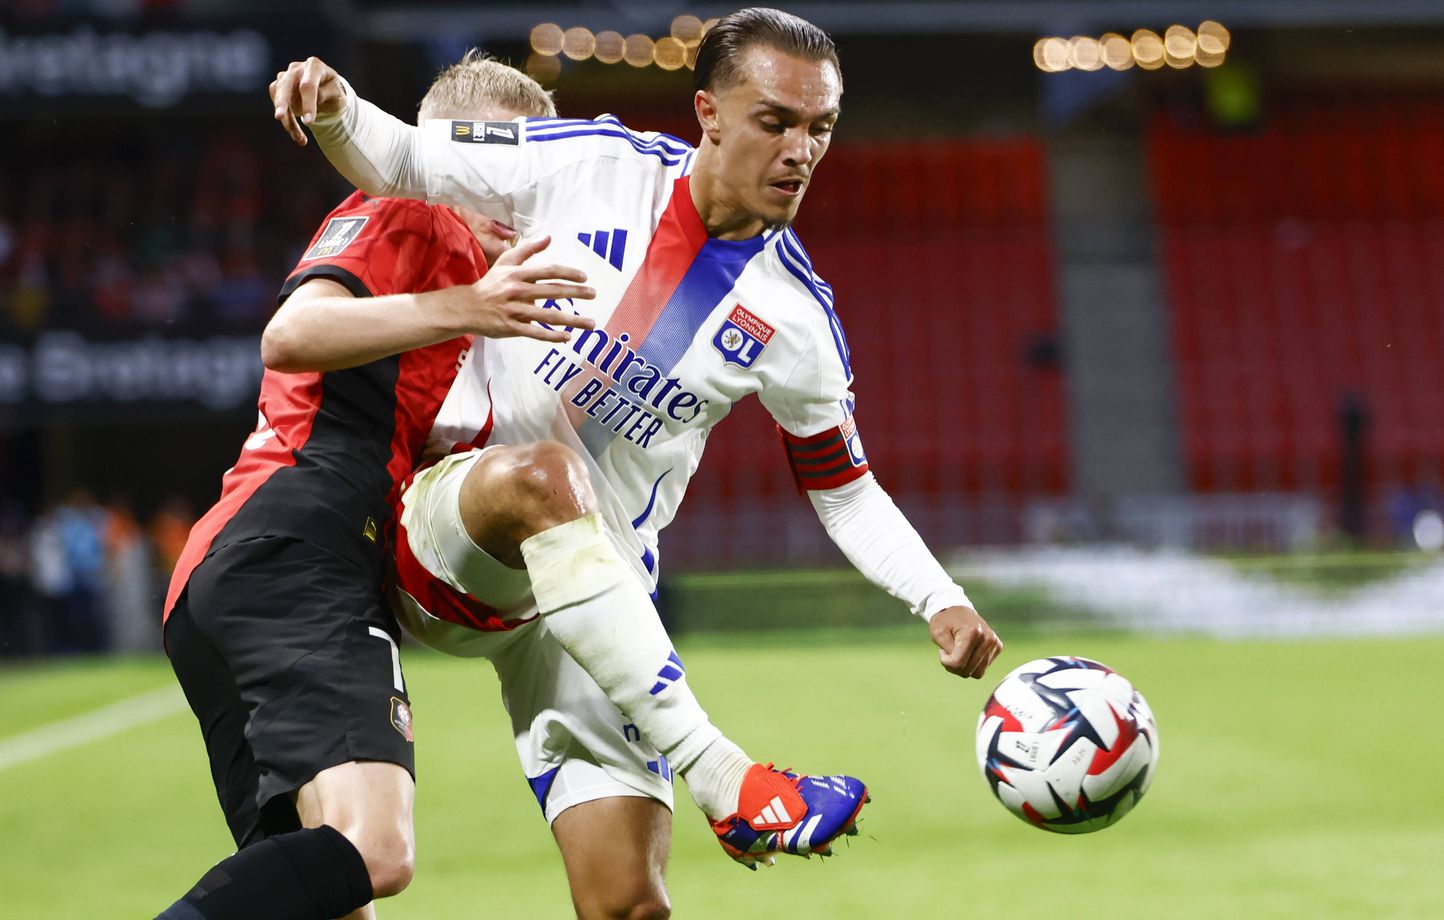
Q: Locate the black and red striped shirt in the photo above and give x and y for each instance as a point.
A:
(330, 450)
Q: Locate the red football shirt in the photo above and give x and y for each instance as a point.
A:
(331, 449)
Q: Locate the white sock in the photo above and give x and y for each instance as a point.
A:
(595, 606)
(715, 778)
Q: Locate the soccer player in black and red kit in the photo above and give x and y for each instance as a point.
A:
(275, 622)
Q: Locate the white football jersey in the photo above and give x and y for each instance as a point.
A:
(687, 325)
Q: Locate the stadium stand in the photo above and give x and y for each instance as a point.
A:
(1305, 266)
(939, 253)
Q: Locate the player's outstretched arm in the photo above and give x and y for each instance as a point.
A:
(875, 536)
(323, 327)
(387, 158)
(376, 152)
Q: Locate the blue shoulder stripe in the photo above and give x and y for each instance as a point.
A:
(820, 289)
(667, 142)
(667, 157)
(787, 256)
(603, 124)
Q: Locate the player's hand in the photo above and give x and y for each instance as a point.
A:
(506, 301)
(966, 643)
(303, 90)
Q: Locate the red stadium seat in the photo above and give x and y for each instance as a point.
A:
(1304, 263)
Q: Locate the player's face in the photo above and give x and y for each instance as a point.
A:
(772, 130)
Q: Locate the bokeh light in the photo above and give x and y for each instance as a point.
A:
(1213, 38)
(1179, 43)
(578, 43)
(1147, 49)
(611, 47)
(637, 50)
(687, 29)
(669, 53)
(1085, 53)
(543, 67)
(546, 39)
(1116, 50)
(1051, 55)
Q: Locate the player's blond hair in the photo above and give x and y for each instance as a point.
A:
(479, 80)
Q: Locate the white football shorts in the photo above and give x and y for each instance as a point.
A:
(574, 745)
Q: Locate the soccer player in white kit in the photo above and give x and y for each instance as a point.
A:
(704, 296)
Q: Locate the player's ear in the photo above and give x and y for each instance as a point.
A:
(706, 105)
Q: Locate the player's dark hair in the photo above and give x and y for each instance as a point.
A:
(719, 57)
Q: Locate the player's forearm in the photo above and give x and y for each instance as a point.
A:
(875, 536)
(379, 154)
(337, 332)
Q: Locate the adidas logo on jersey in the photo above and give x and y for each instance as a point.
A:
(661, 768)
(609, 244)
(671, 672)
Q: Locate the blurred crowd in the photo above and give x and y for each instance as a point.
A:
(82, 576)
(130, 226)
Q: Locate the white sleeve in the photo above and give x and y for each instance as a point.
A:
(499, 168)
(870, 530)
(383, 156)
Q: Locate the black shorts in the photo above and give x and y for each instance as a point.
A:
(287, 655)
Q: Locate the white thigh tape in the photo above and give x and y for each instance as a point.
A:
(572, 563)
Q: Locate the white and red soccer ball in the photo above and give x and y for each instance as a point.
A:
(1067, 744)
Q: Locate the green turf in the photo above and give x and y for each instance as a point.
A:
(1297, 780)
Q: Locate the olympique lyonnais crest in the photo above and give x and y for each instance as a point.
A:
(854, 441)
(340, 232)
(401, 718)
(742, 337)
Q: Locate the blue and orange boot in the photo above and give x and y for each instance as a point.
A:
(781, 812)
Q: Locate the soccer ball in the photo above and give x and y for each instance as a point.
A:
(1067, 744)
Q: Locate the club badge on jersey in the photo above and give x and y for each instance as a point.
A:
(742, 337)
(854, 442)
(340, 232)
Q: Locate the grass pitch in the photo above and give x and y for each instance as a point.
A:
(1297, 780)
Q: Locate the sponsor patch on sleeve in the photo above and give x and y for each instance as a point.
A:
(742, 337)
(340, 232)
(486, 132)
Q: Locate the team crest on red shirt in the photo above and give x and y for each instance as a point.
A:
(340, 232)
(742, 337)
(401, 718)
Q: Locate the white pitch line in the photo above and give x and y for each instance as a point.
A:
(91, 726)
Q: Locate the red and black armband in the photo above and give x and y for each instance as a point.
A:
(827, 459)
